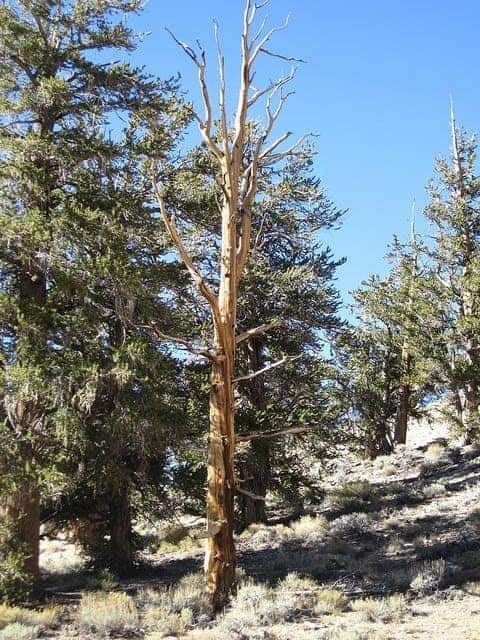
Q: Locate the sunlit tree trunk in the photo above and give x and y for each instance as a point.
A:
(238, 168)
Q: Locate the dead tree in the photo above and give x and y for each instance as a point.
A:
(239, 173)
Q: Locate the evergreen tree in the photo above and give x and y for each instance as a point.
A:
(56, 103)
(452, 286)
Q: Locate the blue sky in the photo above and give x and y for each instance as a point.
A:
(375, 89)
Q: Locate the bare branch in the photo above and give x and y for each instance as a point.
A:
(281, 57)
(174, 235)
(268, 158)
(275, 144)
(266, 39)
(249, 494)
(198, 351)
(246, 437)
(268, 367)
(222, 90)
(263, 328)
(274, 85)
(205, 126)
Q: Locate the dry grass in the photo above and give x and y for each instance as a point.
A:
(436, 451)
(43, 619)
(106, 613)
(309, 528)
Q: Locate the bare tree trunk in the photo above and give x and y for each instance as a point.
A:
(220, 551)
(237, 165)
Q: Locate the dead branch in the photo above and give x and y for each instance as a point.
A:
(268, 367)
(195, 274)
(246, 437)
(263, 328)
(249, 494)
(205, 352)
(282, 57)
(205, 125)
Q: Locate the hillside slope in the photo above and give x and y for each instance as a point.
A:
(389, 549)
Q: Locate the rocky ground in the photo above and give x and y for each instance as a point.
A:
(391, 550)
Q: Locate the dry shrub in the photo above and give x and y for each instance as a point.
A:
(391, 609)
(173, 610)
(256, 605)
(429, 577)
(18, 631)
(44, 618)
(309, 528)
(330, 601)
(434, 490)
(352, 523)
(107, 613)
(437, 450)
(259, 534)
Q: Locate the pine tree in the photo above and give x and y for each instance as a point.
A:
(452, 287)
(56, 101)
(289, 278)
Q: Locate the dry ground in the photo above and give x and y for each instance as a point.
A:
(392, 553)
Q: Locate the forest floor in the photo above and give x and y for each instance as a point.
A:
(390, 551)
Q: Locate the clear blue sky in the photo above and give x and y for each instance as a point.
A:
(376, 90)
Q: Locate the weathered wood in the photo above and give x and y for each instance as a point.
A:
(239, 182)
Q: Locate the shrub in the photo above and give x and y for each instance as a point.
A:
(173, 538)
(259, 533)
(437, 450)
(330, 601)
(257, 605)
(174, 609)
(389, 470)
(44, 619)
(309, 528)
(107, 613)
(106, 580)
(434, 490)
(352, 523)
(352, 496)
(18, 631)
(429, 577)
(388, 609)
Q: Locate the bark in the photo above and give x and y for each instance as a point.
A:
(121, 533)
(220, 550)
